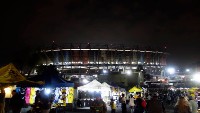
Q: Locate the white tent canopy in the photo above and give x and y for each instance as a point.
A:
(95, 85)
(106, 85)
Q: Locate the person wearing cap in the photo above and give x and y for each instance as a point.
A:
(193, 104)
(182, 105)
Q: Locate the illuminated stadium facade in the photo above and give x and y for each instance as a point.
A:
(95, 59)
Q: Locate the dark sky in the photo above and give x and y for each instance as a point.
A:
(28, 24)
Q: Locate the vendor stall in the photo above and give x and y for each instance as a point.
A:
(93, 89)
(136, 91)
(61, 90)
(9, 78)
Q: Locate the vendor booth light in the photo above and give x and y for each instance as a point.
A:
(8, 92)
(47, 91)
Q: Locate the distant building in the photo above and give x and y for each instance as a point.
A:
(91, 60)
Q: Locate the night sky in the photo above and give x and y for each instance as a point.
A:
(29, 24)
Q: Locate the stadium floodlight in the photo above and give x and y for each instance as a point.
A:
(187, 70)
(128, 72)
(196, 77)
(105, 71)
(171, 70)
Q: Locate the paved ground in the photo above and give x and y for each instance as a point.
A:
(169, 109)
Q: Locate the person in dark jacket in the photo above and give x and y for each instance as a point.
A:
(2, 100)
(37, 104)
(138, 106)
(16, 102)
(123, 103)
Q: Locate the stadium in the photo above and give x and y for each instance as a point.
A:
(90, 60)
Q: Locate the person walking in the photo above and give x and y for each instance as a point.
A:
(131, 103)
(193, 104)
(182, 105)
(123, 103)
(113, 106)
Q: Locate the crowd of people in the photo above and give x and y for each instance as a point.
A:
(157, 102)
(14, 104)
(153, 103)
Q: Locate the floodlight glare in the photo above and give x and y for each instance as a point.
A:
(196, 77)
(171, 70)
(187, 70)
(47, 91)
(128, 72)
(105, 71)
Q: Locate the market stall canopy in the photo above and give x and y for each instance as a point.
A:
(91, 85)
(193, 89)
(135, 89)
(10, 75)
(106, 85)
(52, 81)
(95, 85)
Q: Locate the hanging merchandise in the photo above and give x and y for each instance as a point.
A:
(70, 95)
(27, 95)
(32, 95)
(64, 96)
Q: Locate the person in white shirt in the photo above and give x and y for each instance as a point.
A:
(131, 103)
(149, 97)
(193, 104)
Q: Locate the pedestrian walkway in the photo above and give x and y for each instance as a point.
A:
(169, 109)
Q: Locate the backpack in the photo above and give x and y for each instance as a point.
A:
(144, 104)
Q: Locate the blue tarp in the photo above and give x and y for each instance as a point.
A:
(52, 81)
